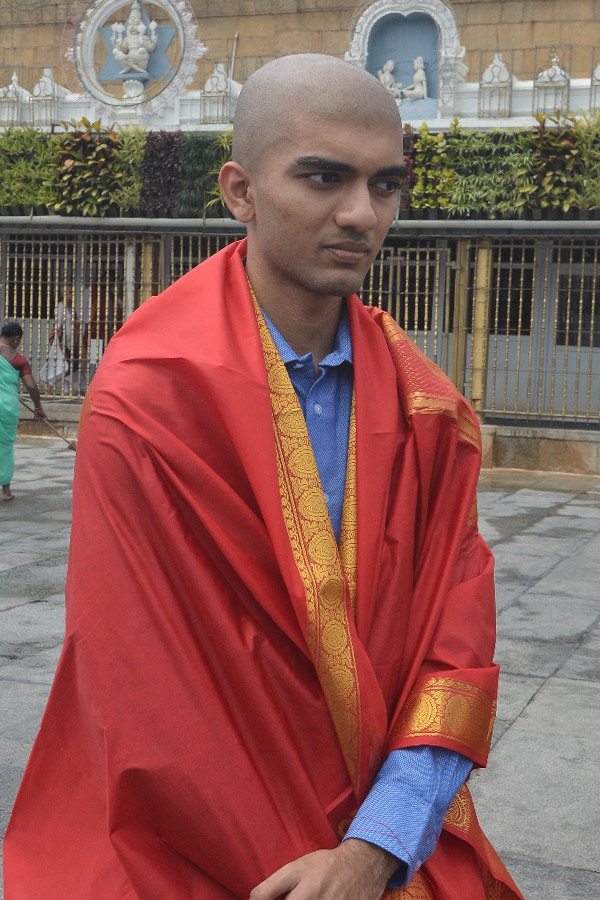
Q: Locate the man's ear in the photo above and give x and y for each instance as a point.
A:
(237, 193)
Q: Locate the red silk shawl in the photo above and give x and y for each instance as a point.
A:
(209, 720)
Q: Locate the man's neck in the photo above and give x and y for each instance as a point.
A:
(308, 322)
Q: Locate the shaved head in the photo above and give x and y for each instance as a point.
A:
(306, 85)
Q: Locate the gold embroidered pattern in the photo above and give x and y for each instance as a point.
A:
(462, 817)
(430, 391)
(417, 889)
(348, 531)
(445, 707)
(461, 812)
(316, 553)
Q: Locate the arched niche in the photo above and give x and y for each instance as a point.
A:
(418, 16)
(401, 38)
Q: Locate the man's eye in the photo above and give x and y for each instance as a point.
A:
(388, 186)
(323, 177)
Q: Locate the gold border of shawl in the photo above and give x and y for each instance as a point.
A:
(448, 708)
(462, 818)
(430, 391)
(416, 889)
(324, 576)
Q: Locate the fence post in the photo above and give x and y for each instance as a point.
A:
(460, 326)
(481, 306)
(147, 253)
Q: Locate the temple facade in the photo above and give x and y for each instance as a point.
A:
(180, 64)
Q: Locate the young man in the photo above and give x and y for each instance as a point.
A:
(280, 622)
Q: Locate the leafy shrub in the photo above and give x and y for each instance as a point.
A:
(89, 168)
(161, 174)
(199, 156)
(26, 167)
(215, 203)
(555, 161)
(132, 146)
(433, 171)
(493, 171)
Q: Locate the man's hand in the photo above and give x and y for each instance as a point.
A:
(355, 870)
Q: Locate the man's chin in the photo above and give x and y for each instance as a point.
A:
(342, 284)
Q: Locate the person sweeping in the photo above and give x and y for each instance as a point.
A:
(13, 365)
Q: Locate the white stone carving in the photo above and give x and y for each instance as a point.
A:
(386, 77)
(14, 91)
(440, 13)
(79, 47)
(495, 89)
(497, 73)
(553, 75)
(46, 88)
(418, 89)
(551, 87)
(452, 69)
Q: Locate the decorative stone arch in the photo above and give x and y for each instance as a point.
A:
(451, 53)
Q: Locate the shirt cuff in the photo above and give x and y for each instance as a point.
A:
(405, 808)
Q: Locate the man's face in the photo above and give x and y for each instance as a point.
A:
(324, 198)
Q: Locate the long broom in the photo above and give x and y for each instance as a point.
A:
(72, 445)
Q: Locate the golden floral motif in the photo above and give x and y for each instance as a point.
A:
(422, 711)
(331, 592)
(310, 503)
(301, 461)
(447, 707)
(323, 548)
(291, 422)
(460, 814)
(334, 637)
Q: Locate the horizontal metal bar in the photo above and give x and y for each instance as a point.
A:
(438, 227)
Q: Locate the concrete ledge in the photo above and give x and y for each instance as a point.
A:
(541, 449)
(63, 415)
(504, 446)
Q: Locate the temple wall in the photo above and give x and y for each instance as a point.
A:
(32, 31)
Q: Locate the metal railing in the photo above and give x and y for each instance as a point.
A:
(510, 311)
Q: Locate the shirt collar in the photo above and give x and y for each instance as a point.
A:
(342, 348)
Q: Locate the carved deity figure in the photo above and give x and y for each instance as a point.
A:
(386, 77)
(418, 89)
(131, 45)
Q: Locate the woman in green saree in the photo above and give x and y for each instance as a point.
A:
(13, 365)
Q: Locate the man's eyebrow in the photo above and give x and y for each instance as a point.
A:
(323, 164)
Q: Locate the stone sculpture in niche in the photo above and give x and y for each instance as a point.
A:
(386, 77)
(418, 89)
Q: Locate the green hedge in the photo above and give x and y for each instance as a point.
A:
(98, 170)
(553, 166)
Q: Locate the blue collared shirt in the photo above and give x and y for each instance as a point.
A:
(326, 401)
(404, 810)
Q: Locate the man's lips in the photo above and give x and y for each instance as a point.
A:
(348, 251)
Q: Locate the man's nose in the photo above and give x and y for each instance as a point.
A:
(356, 209)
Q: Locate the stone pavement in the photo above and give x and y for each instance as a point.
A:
(539, 797)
